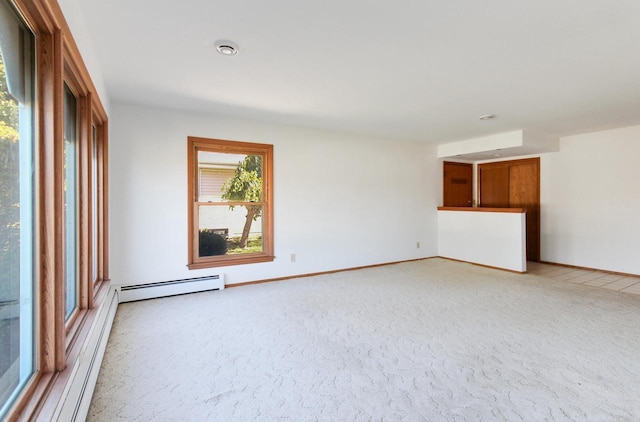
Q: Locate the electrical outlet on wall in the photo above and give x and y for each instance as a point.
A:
(293, 257)
(417, 245)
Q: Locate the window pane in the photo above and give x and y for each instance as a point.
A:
(225, 230)
(70, 201)
(94, 203)
(229, 177)
(16, 205)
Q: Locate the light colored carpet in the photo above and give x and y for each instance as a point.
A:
(432, 340)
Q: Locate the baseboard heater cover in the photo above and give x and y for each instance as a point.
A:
(76, 398)
(129, 293)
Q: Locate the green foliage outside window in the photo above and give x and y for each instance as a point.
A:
(246, 186)
(9, 191)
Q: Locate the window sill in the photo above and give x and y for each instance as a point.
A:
(224, 261)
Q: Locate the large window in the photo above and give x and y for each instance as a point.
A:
(53, 207)
(230, 202)
(16, 205)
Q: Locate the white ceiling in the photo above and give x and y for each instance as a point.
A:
(419, 70)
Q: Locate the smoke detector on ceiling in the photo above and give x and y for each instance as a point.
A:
(487, 117)
(227, 48)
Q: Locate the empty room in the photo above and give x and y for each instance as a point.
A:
(319, 211)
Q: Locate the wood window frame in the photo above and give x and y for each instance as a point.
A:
(58, 343)
(101, 168)
(79, 90)
(196, 144)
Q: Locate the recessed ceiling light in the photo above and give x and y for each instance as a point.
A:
(487, 117)
(227, 48)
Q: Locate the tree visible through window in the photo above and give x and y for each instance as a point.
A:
(230, 207)
(246, 187)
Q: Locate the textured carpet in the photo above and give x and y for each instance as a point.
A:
(432, 340)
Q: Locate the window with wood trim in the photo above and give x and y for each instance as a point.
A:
(53, 207)
(230, 202)
(17, 213)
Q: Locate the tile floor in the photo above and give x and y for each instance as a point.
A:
(618, 282)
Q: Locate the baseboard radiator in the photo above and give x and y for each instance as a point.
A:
(78, 392)
(129, 293)
(74, 405)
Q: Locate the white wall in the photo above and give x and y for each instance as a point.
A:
(78, 28)
(495, 239)
(341, 201)
(590, 201)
